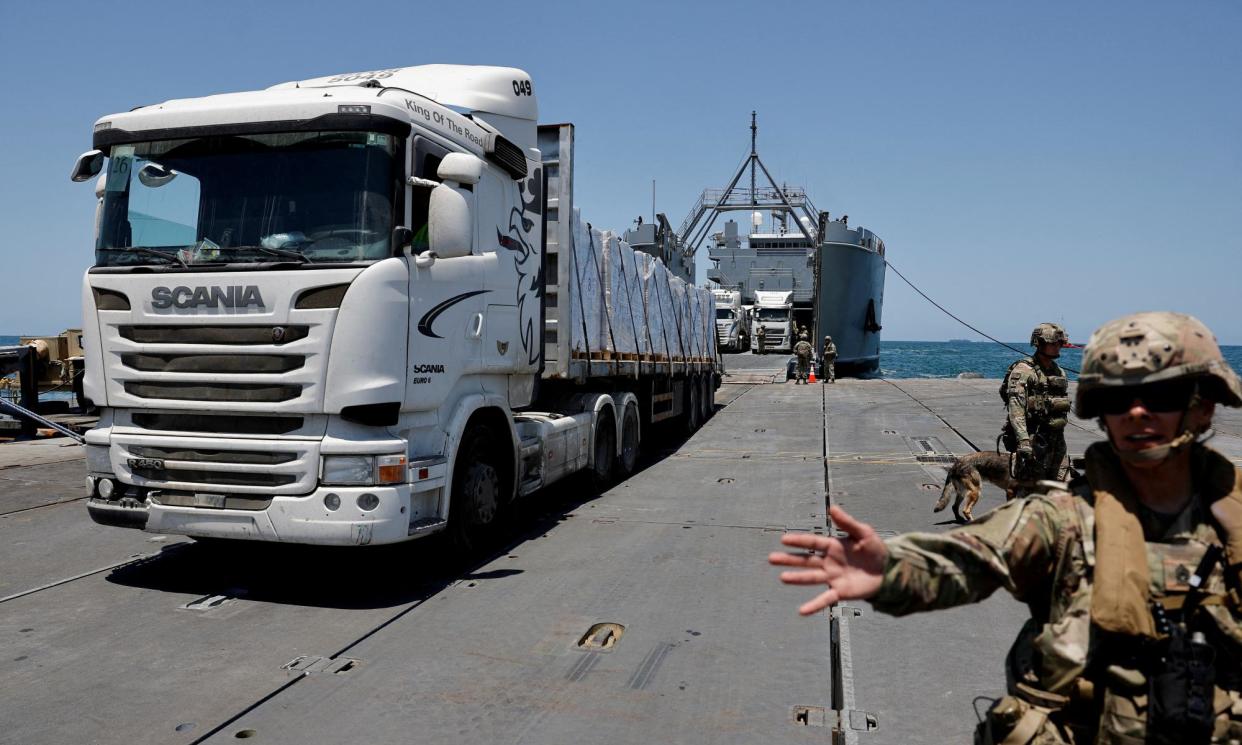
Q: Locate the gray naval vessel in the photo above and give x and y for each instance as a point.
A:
(833, 274)
(644, 612)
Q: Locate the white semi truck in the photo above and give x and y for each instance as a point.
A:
(362, 309)
(732, 325)
(773, 311)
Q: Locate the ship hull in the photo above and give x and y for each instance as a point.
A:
(849, 298)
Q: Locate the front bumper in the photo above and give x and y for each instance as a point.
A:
(302, 519)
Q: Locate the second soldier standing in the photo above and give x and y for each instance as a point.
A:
(804, 351)
(1036, 395)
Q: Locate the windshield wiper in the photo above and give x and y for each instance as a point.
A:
(285, 253)
(282, 252)
(169, 257)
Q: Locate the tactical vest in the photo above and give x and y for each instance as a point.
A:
(1047, 396)
(1064, 662)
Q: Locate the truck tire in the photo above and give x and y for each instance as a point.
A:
(707, 398)
(693, 413)
(604, 454)
(477, 501)
(627, 457)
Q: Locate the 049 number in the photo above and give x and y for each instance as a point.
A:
(522, 88)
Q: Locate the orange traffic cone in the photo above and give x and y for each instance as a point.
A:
(812, 378)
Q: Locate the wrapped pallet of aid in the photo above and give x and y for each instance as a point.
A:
(698, 338)
(627, 306)
(709, 329)
(707, 323)
(617, 259)
(651, 331)
(588, 309)
(660, 318)
(681, 320)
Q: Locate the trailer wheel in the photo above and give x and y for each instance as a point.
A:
(605, 452)
(477, 500)
(693, 411)
(627, 459)
(707, 399)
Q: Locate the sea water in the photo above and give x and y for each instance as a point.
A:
(949, 359)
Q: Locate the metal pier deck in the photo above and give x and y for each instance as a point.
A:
(115, 636)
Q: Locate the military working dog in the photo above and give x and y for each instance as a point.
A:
(966, 476)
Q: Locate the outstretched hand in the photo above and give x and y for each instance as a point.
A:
(852, 568)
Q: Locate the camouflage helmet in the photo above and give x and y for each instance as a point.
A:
(1049, 333)
(1150, 348)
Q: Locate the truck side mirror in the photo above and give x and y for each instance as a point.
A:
(87, 166)
(450, 228)
(402, 238)
(463, 168)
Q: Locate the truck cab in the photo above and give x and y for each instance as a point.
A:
(731, 327)
(774, 312)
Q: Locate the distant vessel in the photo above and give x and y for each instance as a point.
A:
(835, 273)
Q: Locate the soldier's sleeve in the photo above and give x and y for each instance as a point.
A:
(1013, 547)
(1017, 400)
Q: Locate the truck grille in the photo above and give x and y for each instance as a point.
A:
(225, 364)
(217, 424)
(215, 392)
(213, 334)
(211, 456)
(243, 367)
(208, 465)
(215, 478)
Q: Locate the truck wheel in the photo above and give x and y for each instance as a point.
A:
(605, 449)
(627, 459)
(708, 398)
(477, 500)
(692, 406)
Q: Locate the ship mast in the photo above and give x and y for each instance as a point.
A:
(786, 202)
(754, 156)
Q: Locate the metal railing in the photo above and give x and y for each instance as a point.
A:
(763, 198)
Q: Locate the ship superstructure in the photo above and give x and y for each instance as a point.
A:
(834, 273)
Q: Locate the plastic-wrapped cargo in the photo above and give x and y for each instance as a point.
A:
(681, 320)
(609, 310)
(660, 311)
(709, 323)
(617, 258)
(696, 324)
(588, 327)
(633, 307)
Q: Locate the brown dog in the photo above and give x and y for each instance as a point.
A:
(966, 477)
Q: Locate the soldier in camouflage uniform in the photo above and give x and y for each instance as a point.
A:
(1133, 573)
(830, 360)
(803, 350)
(1036, 394)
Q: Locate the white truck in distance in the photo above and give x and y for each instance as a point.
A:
(339, 311)
(732, 325)
(773, 311)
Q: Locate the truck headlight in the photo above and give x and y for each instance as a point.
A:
(363, 470)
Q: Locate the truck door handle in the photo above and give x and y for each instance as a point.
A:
(476, 326)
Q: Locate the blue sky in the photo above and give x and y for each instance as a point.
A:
(1023, 161)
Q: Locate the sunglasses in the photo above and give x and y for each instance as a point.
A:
(1156, 397)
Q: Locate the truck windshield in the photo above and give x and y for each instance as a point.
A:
(724, 314)
(304, 196)
(773, 314)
